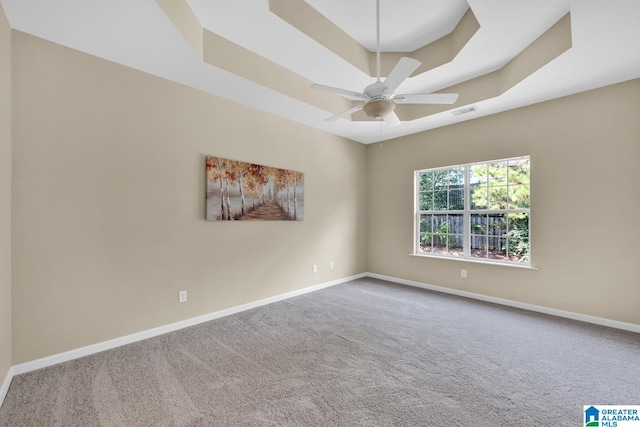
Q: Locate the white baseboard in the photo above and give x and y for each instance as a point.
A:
(139, 336)
(631, 327)
(5, 385)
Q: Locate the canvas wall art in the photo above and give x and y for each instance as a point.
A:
(239, 191)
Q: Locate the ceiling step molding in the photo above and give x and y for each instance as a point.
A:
(548, 46)
(433, 54)
(551, 44)
(306, 19)
(229, 56)
(240, 61)
(185, 21)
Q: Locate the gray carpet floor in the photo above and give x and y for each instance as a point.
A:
(365, 353)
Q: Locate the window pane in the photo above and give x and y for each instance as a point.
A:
(441, 229)
(426, 223)
(499, 252)
(455, 224)
(426, 181)
(519, 171)
(496, 227)
(497, 233)
(427, 249)
(426, 232)
(518, 226)
(456, 199)
(440, 179)
(440, 222)
(498, 198)
(456, 177)
(479, 224)
(479, 194)
(519, 196)
(440, 200)
(478, 174)
(451, 235)
(455, 245)
(478, 246)
(497, 173)
(518, 250)
(426, 201)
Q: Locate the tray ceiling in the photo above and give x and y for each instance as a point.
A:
(263, 54)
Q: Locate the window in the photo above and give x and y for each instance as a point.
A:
(476, 211)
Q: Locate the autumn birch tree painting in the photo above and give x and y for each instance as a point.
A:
(240, 191)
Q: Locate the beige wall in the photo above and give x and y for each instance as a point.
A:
(5, 196)
(109, 202)
(585, 202)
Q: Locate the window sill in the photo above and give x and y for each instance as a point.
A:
(477, 261)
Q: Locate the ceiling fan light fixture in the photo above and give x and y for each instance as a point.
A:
(379, 108)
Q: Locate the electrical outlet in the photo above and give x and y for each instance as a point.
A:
(182, 296)
(315, 268)
(463, 273)
(331, 265)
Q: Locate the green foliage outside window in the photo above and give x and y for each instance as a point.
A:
(498, 209)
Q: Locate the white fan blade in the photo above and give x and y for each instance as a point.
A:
(426, 98)
(345, 113)
(392, 119)
(343, 92)
(400, 72)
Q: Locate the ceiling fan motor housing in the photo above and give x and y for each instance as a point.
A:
(376, 90)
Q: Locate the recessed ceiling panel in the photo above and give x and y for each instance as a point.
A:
(405, 25)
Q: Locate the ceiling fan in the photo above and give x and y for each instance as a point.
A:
(379, 98)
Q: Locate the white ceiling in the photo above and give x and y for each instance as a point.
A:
(139, 35)
(405, 25)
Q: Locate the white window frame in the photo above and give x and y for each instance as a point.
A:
(466, 215)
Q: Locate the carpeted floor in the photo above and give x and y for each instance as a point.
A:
(365, 353)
